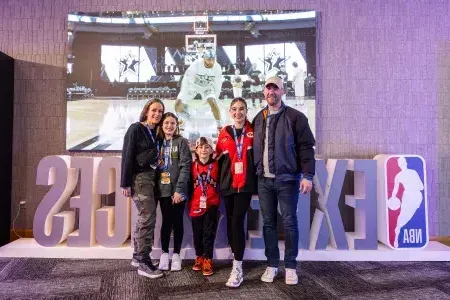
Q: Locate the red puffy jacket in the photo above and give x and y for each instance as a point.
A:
(197, 168)
(226, 153)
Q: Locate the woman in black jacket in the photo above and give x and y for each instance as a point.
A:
(139, 161)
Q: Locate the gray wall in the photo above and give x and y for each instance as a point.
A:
(383, 69)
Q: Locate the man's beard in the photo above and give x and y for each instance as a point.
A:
(272, 99)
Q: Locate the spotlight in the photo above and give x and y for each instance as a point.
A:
(255, 32)
(147, 35)
(249, 26)
(149, 31)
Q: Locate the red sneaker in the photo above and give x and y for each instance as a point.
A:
(207, 267)
(198, 265)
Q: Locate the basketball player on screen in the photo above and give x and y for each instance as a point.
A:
(204, 77)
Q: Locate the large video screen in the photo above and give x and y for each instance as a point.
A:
(117, 61)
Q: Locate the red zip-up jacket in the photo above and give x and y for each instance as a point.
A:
(211, 186)
(227, 155)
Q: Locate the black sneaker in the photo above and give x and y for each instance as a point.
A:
(147, 269)
(135, 261)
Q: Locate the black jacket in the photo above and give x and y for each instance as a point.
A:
(291, 143)
(138, 153)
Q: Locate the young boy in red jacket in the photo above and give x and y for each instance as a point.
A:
(204, 204)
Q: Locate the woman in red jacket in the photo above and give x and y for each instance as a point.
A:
(236, 180)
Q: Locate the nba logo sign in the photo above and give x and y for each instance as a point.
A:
(402, 201)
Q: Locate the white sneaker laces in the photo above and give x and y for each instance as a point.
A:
(269, 272)
(290, 274)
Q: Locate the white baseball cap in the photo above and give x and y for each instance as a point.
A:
(208, 141)
(274, 80)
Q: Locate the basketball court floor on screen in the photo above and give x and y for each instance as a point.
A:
(100, 123)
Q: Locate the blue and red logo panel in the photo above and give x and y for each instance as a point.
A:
(407, 206)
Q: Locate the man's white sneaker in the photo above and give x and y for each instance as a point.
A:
(176, 262)
(291, 276)
(269, 274)
(164, 262)
(236, 276)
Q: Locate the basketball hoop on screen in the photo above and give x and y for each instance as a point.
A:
(201, 25)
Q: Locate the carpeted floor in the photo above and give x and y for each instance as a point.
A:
(27, 278)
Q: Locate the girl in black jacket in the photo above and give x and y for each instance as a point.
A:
(139, 161)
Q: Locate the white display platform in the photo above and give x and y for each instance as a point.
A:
(27, 247)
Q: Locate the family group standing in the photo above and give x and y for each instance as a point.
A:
(273, 157)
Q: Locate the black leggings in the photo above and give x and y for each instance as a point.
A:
(172, 218)
(204, 228)
(237, 206)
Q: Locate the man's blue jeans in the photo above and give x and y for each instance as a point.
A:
(286, 193)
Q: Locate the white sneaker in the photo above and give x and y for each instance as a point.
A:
(291, 276)
(176, 262)
(164, 262)
(236, 276)
(269, 274)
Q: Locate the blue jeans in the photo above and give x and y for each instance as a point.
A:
(286, 193)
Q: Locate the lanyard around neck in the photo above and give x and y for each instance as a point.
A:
(167, 148)
(200, 180)
(150, 132)
(239, 144)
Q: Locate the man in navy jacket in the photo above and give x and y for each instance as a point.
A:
(283, 149)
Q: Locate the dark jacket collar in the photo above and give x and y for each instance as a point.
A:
(265, 111)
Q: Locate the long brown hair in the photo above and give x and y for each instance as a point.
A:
(160, 132)
(143, 116)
